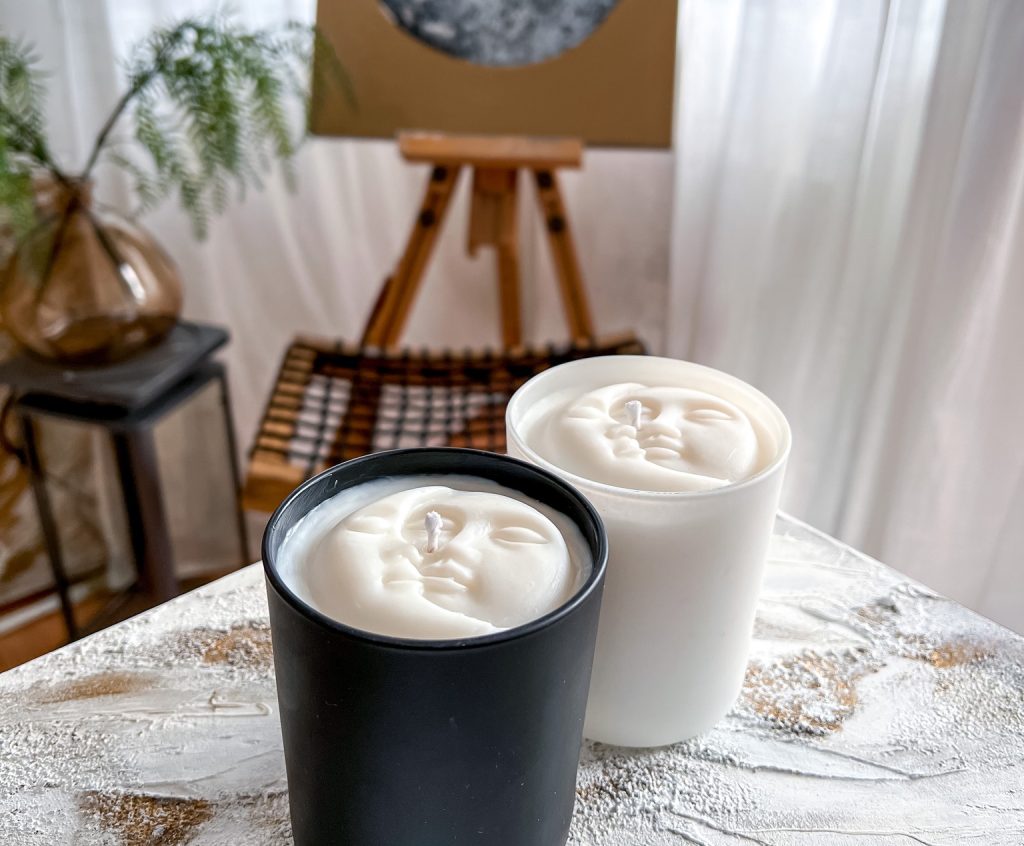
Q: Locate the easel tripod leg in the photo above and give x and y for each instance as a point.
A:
(392, 309)
(570, 280)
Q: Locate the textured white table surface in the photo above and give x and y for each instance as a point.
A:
(874, 712)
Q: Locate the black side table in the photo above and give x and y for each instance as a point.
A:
(127, 399)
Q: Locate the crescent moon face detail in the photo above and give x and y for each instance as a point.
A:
(502, 33)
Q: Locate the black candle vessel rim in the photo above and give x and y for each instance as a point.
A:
(478, 461)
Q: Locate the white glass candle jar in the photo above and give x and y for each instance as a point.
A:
(685, 566)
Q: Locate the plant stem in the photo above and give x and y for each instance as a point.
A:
(55, 248)
(122, 104)
(141, 82)
(116, 259)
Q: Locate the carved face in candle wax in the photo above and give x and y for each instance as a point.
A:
(686, 439)
(493, 563)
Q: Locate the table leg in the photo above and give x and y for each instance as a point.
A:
(236, 476)
(48, 524)
(147, 521)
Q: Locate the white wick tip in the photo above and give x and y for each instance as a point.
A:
(432, 521)
(634, 408)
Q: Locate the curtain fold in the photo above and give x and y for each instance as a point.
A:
(847, 236)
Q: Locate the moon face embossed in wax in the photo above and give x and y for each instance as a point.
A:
(651, 437)
(433, 557)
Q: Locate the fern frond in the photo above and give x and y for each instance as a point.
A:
(22, 137)
(211, 106)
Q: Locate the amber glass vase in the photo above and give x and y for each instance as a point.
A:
(87, 287)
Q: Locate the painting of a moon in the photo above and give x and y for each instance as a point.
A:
(500, 32)
(602, 71)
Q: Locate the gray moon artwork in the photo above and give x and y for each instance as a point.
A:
(500, 32)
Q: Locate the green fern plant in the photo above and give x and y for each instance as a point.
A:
(209, 103)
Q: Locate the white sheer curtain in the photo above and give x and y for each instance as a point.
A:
(844, 226)
(848, 235)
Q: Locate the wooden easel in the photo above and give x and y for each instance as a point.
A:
(496, 162)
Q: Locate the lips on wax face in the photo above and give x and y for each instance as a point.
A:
(654, 438)
(433, 561)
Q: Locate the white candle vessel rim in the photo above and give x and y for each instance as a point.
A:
(513, 413)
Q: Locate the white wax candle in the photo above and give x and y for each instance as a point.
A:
(434, 557)
(651, 437)
(684, 464)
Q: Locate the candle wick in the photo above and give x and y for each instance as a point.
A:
(634, 408)
(432, 522)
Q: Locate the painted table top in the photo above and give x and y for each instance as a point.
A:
(874, 712)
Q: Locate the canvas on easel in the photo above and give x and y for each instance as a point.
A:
(611, 87)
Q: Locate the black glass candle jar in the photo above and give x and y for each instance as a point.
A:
(403, 742)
